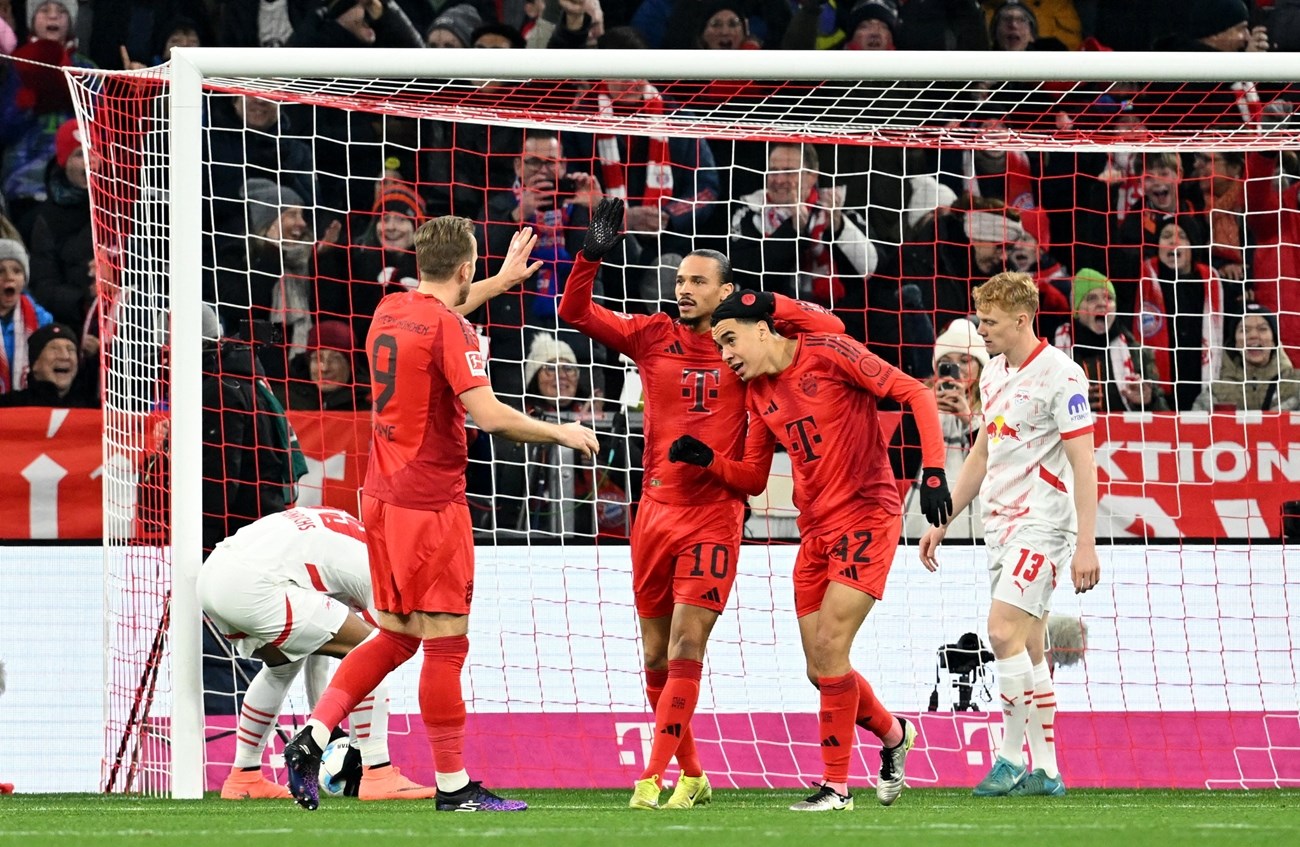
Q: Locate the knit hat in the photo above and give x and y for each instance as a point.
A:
(37, 340)
(960, 337)
(331, 335)
(544, 350)
(1254, 309)
(866, 10)
(991, 227)
(67, 141)
(11, 249)
(1203, 18)
(925, 195)
(402, 200)
(211, 325)
(506, 31)
(460, 21)
(1014, 4)
(1088, 280)
(266, 201)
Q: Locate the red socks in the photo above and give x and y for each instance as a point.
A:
(839, 711)
(441, 704)
(688, 758)
(872, 715)
(360, 671)
(673, 712)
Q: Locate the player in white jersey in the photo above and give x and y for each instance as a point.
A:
(289, 589)
(1032, 467)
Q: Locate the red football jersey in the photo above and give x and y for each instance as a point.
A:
(687, 388)
(822, 408)
(423, 356)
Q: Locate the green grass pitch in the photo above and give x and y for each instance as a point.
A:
(735, 819)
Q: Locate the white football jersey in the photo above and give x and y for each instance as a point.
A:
(314, 548)
(1029, 412)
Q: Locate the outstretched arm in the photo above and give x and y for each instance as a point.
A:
(799, 316)
(491, 415)
(747, 475)
(610, 328)
(514, 269)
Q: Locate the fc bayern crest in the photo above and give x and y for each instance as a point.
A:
(808, 385)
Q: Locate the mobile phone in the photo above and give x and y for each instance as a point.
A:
(566, 185)
(949, 371)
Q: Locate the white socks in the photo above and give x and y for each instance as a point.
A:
(1016, 687)
(449, 783)
(261, 711)
(1042, 737)
(369, 725)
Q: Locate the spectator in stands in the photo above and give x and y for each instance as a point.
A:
(351, 281)
(1031, 255)
(331, 375)
(454, 27)
(537, 490)
(142, 38)
(30, 119)
(52, 375)
(62, 248)
(20, 315)
(959, 359)
(497, 37)
(794, 237)
(356, 23)
(1013, 27)
(581, 24)
(1256, 374)
(815, 26)
(872, 25)
(677, 24)
(1273, 218)
(1220, 176)
(725, 27)
(249, 138)
(261, 282)
(1122, 375)
(1180, 311)
(942, 25)
(556, 201)
(1052, 20)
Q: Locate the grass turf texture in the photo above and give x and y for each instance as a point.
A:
(601, 818)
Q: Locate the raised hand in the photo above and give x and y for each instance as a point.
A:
(605, 229)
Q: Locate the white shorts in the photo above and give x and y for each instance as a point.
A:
(253, 609)
(1025, 569)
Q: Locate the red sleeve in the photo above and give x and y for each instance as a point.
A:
(748, 475)
(882, 379)
(797, 316)
(1262, 198)
(462, 360)
(613, 329)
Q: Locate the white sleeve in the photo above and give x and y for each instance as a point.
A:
(1070, 407)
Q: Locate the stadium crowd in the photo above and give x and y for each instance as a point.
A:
(1169, 277)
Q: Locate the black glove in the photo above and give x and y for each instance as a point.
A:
(691, 450)
(936, 502)
(746, 304)
(605, 230)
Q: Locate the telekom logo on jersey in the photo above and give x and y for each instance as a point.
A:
(700, 385)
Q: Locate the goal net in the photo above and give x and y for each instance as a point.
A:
(1159, 221)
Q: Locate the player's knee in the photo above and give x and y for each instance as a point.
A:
(655, 659)
(687, 645)
(1003, 638)
(827, 649)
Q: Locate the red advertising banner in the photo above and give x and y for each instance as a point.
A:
(1220, 476)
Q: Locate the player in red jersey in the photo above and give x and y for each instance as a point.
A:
(686, 537)
(817, 394)
(426, 371)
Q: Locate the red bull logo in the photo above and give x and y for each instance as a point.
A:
(999, 429)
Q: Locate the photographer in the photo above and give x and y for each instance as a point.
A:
(959, 359)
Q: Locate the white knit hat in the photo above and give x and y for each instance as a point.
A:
(960, 337)
(11, 249)
(544, 350)
(925, 194)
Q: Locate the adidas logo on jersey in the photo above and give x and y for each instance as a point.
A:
(675, 348)
(712, 596)
(851, 572)
(771, 407)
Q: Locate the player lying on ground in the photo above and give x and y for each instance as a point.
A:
(816, 394)
(289, 589)
(426, 371)
(1032, 466)
(686, 537)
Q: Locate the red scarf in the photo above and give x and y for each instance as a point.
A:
(658, 166)
(12, 378)
(1151, 323)
(816, 258)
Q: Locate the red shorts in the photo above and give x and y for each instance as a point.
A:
(859, 554)
(420, 561)
(684, 554)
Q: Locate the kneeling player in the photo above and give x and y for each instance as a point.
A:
(817, 395)
(283, 589)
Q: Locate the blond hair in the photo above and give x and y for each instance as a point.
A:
(442, 245)
(1009, 291)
